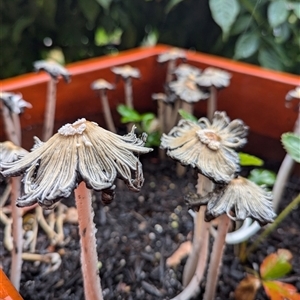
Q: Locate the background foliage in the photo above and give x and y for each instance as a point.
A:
(262, 32)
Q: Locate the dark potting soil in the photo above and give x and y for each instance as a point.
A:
(137, 232)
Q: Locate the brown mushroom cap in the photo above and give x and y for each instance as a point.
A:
(126, 71)
(53, 69)
(101, 84)
(81, 151)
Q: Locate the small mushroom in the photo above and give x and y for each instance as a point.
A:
(186, 70)
(127, 73)
(214, 79)
(10, 153)
(54, 70)
(102, 86)
(80, 153)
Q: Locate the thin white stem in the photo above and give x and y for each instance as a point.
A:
(200, 239)
(50, 110)
(170, 70)
(87, 231)
(9, 125)
(212, 103)
(106, 110)
(128, 92)
(17, 126)
(216, 258)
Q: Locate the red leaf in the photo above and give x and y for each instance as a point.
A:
(247, 288)
(277, 290)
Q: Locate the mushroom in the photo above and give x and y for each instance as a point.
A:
(214, 79)
(288, 162)
(102, 86)
(209, 147)
(80, 153)
(54, 70)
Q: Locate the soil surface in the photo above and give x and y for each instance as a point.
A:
(136, 233)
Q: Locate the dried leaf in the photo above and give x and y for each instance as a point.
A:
(276, 265)
(247, 288)
(183, 250)
(277, 290)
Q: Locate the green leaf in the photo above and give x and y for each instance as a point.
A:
(246, 45)
(291, 143)
(276, 265)
(19, 27)
(269, 59)
(90, 9)
(250, 160)
(153, 139)
(171, 4)
(147, 118)
(103, 38)
(296, 9)
(105, 3)
(128, 114)
(262, 177)
(224, 12)
(241, 24)
(187, 116)
(282, 33)
(277, 13)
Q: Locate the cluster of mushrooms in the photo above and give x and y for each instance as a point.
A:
(83, 156)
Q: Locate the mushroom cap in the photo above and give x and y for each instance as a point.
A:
(14, 102)
(81, 151)
(126, 71)
(210, 147)
(214, 77)
(186, 89)
(186, 70)
(293, 94)
(101, 84)
(53, 68)
(241, 197)
(172, 54)
(10, 153)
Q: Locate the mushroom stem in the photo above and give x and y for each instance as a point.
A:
(107, 113)
(87, 230)
(216, 258)
(17, 233)
(17, 126)
(161, 119)
(128, 92)
(9, 125)
(201, 236)
(170, 70)
(212, 103)
(5, 195)
(7, 222)
(50, 109)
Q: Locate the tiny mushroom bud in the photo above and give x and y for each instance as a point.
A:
(241, 197)
(208, 146)
(81, 151)
(53, 68)
(14, 102)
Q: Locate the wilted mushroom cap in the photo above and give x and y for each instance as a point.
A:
(81, 151)
(186, 70)
(102, 84)
(53, 68)
(240, 199)
(9, 152)
(293, 94)
(208, 146)
(214, 77)
(187, 89)
(172, 54)
(14, 102)
(126, 72)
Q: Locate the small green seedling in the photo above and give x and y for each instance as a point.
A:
(146, 122)
(274, 267)
(291, 143)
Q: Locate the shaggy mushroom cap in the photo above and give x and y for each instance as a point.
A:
(208, 146)
(81, 151)
(53, 68)
(101, 84)
(186, 89)
(9, 153)
(186, 70)
(240, 199)
(214, 77)
(14, 102)
(127, 72)
(293, 94)
(172, 54)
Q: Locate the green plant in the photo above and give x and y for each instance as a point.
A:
(146, 122)
(291, 143)
(271, 273)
